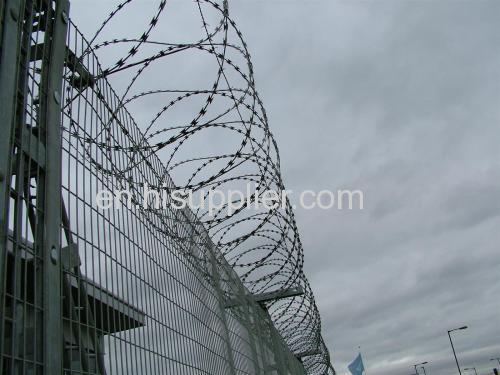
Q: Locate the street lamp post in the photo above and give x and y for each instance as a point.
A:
(471, 368)
(496, 359)
(420, 364)
(453, 348)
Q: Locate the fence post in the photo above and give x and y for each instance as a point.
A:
(256, 323)
(280, 363)
(10, 13)
(222, 309)
(50, 124)
(248, 325)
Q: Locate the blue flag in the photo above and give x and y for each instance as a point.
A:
(356, 367)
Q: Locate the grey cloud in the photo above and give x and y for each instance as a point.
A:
(398, 99)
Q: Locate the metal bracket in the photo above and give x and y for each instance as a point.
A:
(70, 257)
(262, 298)
(280, 294)
(82, 77)
(307, 353)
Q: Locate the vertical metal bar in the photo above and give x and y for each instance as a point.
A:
(278, 347)
(247, 322)
(222, 310)
(9, 54)
(261, 332)
(277, 350)
(50, 124)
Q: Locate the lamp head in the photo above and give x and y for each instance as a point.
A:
(457, 329)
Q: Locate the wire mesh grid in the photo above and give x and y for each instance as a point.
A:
(121, 291)
(163, 308)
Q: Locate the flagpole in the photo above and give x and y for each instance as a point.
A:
(359, 349)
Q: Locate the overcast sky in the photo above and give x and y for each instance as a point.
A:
(399, 99)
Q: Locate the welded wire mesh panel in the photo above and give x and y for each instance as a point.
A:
(95, 278)
(146, 291)
(142, 299)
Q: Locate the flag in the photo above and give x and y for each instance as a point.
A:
(356, 367)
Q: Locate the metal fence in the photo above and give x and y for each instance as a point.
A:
(132, 290)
